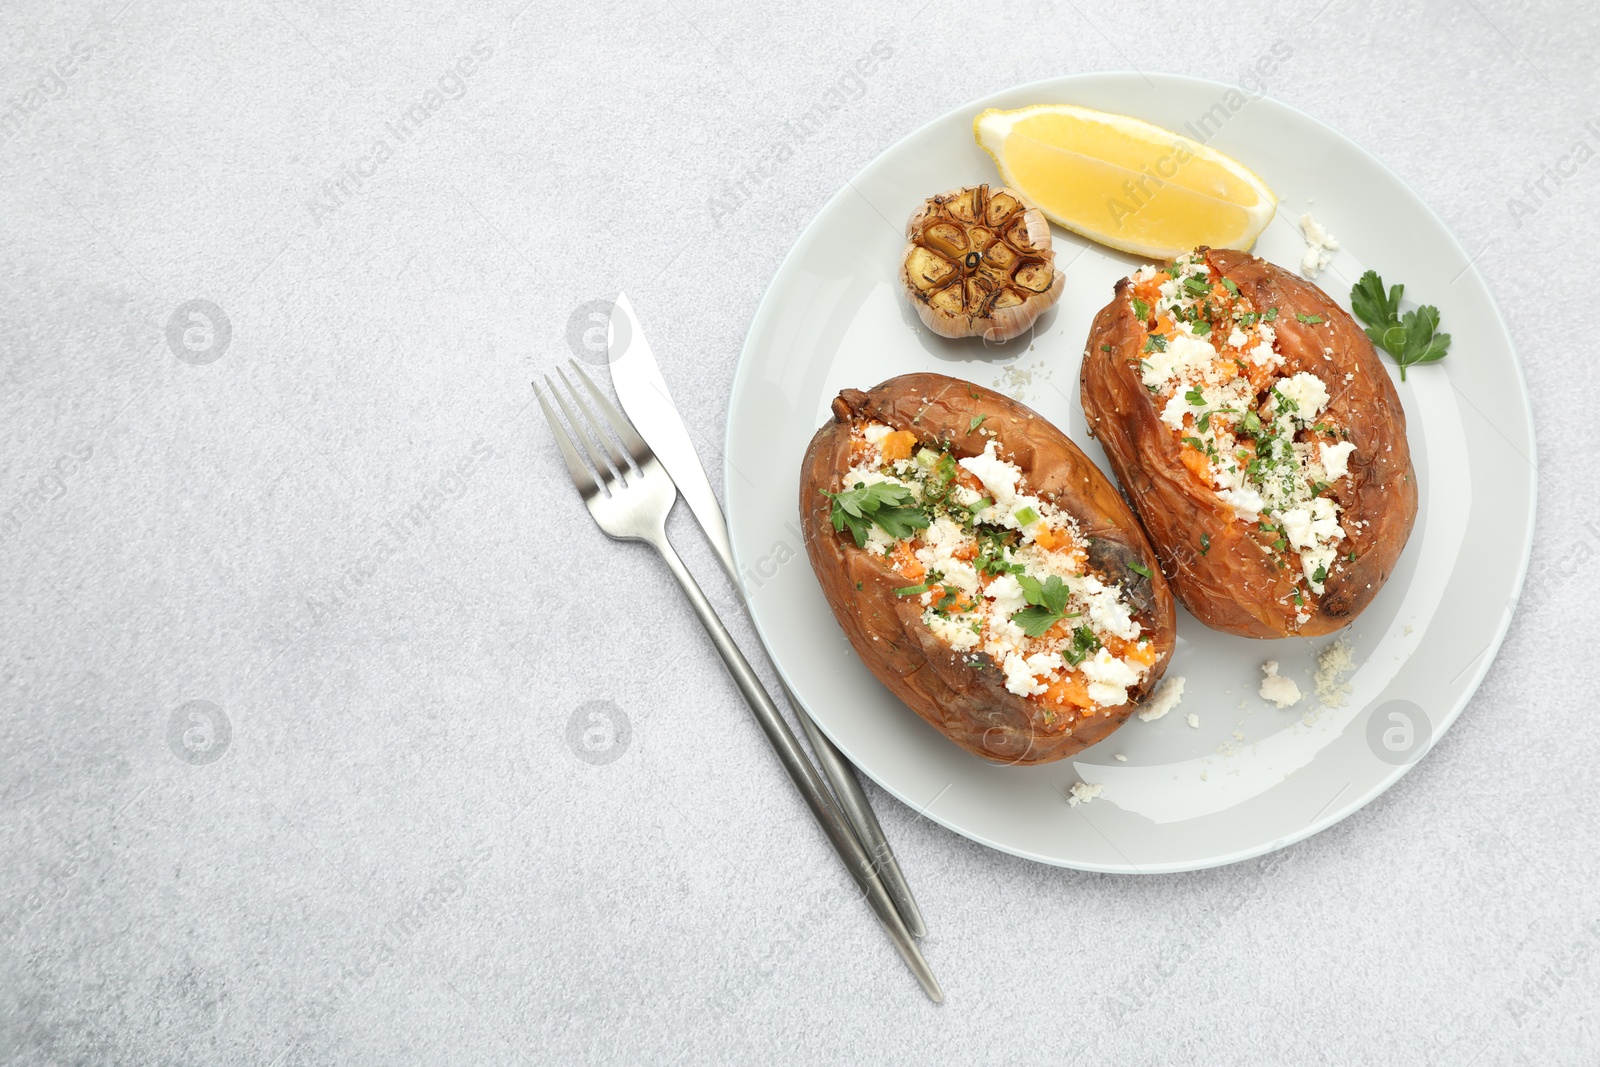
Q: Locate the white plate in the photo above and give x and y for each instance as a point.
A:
(1250, 778)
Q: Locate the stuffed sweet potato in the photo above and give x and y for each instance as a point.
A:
(983, 567)
(1259, 439)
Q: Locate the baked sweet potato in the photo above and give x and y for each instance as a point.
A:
(983, 567)
(1259, 439)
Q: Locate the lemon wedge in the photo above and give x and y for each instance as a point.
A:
(1124, 182)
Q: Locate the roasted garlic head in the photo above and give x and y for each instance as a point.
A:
(979, 262)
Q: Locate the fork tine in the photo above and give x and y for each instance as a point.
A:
(580, 473)
(618, 460)
(595, 458)
(619, 422)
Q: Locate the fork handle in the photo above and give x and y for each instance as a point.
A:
(802, 773)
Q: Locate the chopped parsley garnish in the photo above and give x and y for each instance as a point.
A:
(1195, 397)
(914, 590)
(975, 422)
(1141, 309)
(1047, 604)
(1197, 286)
(1205, 543)
(1201, 327)
(1139, 568)
(1320, 575)
(1155, 343)
(1084, 644)
(1271, 315)
(1227, 283)
(1309, 320)
(890, 506)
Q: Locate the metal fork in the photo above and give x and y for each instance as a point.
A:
(630, 496)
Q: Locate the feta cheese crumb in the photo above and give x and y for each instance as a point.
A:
(1083, 792)
(1320, 246)
(1336, 459)
(1276, 688)
(1120, 758)
(1163, 700)
(1109, 678)
(1307, 391)
(1193, 720)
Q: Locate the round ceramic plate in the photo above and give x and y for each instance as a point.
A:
(1226, 776)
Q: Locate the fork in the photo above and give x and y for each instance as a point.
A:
(630, 495)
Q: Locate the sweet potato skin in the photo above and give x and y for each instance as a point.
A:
(963, 695)
(1232, 584)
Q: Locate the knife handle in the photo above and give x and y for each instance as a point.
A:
(801, 772)
(856, 807)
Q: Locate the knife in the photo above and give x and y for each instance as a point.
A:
(643, 393)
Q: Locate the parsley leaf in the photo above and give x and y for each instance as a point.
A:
(975, 422)
(1309, 320)
(1227, 283)
(1047, 603)
(1371, 304)
(890, 506)
(1205, 543)
(1195, 397)
(1197, 286)
(1412, 338)
(1139, 568)
(1155, 343)
(1141, 309)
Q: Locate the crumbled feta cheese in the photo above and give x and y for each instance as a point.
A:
(944, 537)
(1120, 758)
(960, 636)
(1336, 459)
(1185, 356)
(1163, 700)
(1107, 610)
(1007, 595)
(1174, 411)
(1276, 688)
(875, 432)
(1083, 792)
(1245, 501)
(1193, 720)
(1307, 391)
(1020, 676)
(1109, 678)
(1320, 246)
(1314, 561)
(997, 476)
(1237, 338)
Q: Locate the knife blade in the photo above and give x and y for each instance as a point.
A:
(643, 392)
(637, 379)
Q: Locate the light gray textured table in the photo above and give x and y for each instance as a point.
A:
(340, 526)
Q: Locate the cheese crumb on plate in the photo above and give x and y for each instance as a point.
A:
(1083, 792)
(1276, 688)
